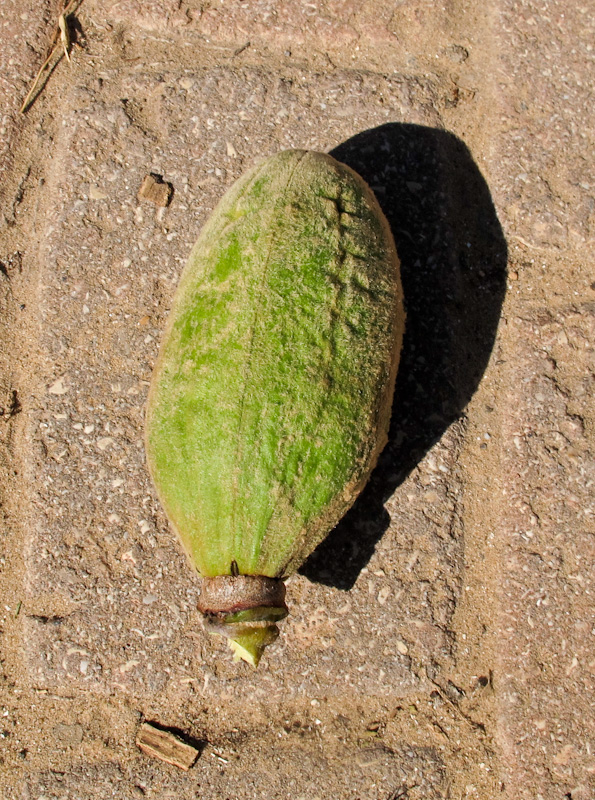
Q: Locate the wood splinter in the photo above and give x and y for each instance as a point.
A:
(165, 746)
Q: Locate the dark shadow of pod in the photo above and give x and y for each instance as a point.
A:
(453, 268)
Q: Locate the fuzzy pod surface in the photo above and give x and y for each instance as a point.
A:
(271, 396)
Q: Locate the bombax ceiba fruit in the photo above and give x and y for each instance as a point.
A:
(271, 396)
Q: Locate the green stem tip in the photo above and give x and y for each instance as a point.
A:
(244, 609)
(248, 632)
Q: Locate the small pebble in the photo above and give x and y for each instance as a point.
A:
(58, 387)
(96, 194)
(155, 190)
(383, 595)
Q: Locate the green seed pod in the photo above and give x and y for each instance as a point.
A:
(271, 397)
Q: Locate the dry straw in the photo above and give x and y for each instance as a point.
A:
(60, 40)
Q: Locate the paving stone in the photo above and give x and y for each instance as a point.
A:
(276, 770)
(344, 33)
(26, 28)
(548, 653)
(547, 183)
(101, 543)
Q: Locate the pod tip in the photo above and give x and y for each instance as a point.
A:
(249, 638)
(242, 654)
(244, 609)
(250, 646)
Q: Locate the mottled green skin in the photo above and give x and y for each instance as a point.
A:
(271, 396)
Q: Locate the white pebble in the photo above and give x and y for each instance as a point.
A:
(96, 193)
(58, 387)
(383, 595)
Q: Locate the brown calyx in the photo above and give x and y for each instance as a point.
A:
(226, 594)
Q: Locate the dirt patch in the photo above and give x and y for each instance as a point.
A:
(439, 642)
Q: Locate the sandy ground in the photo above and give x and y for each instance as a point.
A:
(440, 643)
